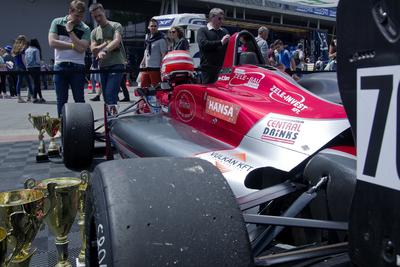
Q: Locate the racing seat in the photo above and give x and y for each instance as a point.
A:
(248, 58)
(323, 84)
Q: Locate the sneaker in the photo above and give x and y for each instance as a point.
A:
(125, 100)
(42, 100)
(96, 98)
(112, 110)
(35, 100)
(28, 99)
(20, 100)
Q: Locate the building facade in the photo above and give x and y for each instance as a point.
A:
(290, 23)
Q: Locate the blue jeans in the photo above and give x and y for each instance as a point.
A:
(62, 82)
(19, 82)
(110, 83)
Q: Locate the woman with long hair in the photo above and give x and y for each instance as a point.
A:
(18, 52)
(33, 57)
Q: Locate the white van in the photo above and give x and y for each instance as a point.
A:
(190, 23)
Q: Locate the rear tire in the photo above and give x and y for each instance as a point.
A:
(77, 135)
(163, 211)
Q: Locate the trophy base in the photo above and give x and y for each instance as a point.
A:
(63, 264)
(53, 153)
(24, 262)
(42, 158)
(79, 264)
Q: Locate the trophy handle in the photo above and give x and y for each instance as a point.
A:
(85, 176)
(30, 183)
(30, 118)
(18, 221)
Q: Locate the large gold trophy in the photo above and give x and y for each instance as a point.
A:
(63, 212)
(52, 127)
(21, 214)
(40, 123)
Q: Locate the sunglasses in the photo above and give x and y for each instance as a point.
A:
(172, 31)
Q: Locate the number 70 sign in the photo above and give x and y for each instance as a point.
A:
(378, 126)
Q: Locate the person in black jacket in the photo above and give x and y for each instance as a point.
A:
(212, 40)
(178, 37)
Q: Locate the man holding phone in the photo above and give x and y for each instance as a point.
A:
(70, 38)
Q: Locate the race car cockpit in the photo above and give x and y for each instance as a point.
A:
(247, 50)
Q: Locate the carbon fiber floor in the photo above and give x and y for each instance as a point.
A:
(17, 163)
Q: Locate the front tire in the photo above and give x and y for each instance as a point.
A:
(163, 211)
(77, 135)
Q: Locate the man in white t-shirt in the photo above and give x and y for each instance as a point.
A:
(70, 38)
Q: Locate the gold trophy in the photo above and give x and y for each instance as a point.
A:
(52, 127)
(85, 175)
(21, 215)
(63, 212)
(39, 123)
(3, 245)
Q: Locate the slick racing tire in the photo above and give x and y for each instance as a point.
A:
(163, 211)
(77, 135)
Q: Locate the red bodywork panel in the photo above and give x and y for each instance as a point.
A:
(243, 95)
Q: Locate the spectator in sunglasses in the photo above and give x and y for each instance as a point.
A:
(180, 42)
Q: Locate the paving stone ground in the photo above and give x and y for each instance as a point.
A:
(18, 148)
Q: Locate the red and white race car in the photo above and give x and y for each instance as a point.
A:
(277, 145)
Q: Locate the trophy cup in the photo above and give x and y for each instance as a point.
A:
(3, 245)
(52, 127)
(21, 214)
(39, 123)
(62, 213)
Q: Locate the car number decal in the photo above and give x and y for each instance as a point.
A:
(378, 126)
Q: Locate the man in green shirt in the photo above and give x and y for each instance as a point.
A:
(106, 46)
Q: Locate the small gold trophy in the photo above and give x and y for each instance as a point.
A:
(63, 211)
(85, 175)
(21, 214)
(3, 245)
(39, 123)
(52, 127)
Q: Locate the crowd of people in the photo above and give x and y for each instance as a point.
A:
(71, 38)
(23, 55)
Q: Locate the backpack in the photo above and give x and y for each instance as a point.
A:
(296, 57)
(30, 57)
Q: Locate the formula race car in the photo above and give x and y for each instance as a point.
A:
(253, 169)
